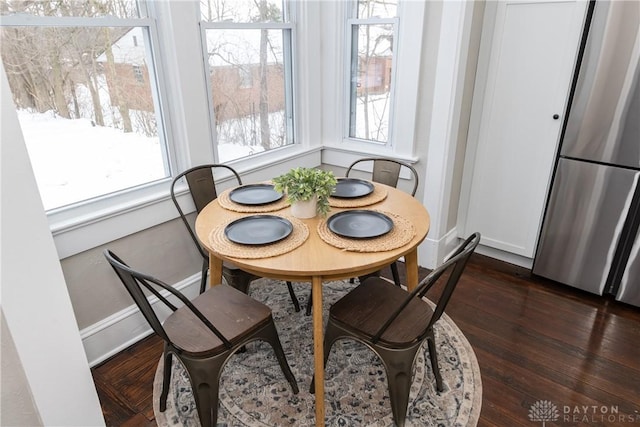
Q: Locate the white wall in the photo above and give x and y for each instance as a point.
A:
(451, 70)
(34, 298)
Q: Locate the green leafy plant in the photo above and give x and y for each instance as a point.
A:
(301, 184)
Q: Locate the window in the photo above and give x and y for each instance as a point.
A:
(372, 31)
(248, 48)
(137, 73)
(91, 125)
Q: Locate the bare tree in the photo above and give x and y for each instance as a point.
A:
(116, 99)
(217, 10)
(46, 64)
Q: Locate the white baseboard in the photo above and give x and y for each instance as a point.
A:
(126, 327)
(505, 256)
(432, 252)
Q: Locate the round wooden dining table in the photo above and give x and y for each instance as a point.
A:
(316, 261)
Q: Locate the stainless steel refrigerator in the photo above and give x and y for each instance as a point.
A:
(590, 237)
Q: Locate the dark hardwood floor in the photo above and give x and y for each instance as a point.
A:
(535, 341)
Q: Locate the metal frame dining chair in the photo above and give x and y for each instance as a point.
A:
(201, 184)
(202, 334)
(394, 324)
(385, 171)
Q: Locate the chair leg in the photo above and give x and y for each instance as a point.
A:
(166, 378)
(294, 299)
(309, 304)
(270, 334)
(203, 280)
(398, 365)
(395, 274)
(204, 375)
(240, 281)
(433, 356)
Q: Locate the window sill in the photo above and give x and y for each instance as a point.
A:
(344, 154)
(81, 233)
(79, 229)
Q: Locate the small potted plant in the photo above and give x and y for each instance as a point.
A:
(307, 189)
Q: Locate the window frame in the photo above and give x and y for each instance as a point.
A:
(338, 148)
(352, 54)
(288, 29)
(76, 214)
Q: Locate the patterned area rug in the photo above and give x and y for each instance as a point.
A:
(254, 392)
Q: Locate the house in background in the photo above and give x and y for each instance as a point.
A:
(375, 75)
(128, 80)
(237, 86)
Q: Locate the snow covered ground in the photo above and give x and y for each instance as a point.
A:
(73, 160)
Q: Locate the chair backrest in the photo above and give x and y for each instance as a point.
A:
(134, 281)
(202, 188)
(387, 171)
(455, 264)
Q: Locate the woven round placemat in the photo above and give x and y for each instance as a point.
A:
(225, 201)
(226, 247)
(379, 194)
(402, 233)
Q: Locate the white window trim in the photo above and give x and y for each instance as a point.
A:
(340, 150)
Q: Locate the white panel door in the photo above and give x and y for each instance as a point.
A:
(529, 62)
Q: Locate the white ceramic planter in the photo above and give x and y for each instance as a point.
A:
(305, 209)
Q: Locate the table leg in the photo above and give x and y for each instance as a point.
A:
(215, 270)
(318, 352)
(411, 264)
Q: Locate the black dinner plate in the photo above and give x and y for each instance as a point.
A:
(258, 229)
(360, 224)
(351, 188)
(255, 194)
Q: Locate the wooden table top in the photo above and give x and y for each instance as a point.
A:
(315, 257)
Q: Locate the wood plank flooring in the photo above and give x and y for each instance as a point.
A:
(535, 341)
